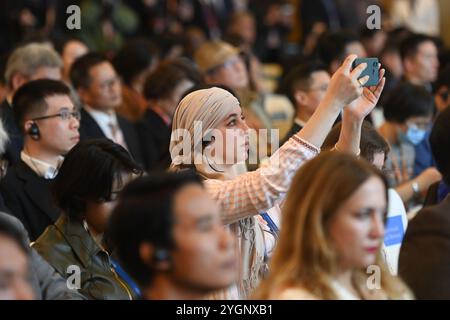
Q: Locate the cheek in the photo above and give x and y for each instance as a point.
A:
(347, 235)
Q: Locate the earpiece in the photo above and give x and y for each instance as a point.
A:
(33, 131)
(161, 255)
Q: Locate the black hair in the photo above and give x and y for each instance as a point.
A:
(79, 71)
(332, 46)
(161, 82)
(134, 57)
(407, 100)
(300, 78)
(410, 45)
(440, 142)
(143, 214)
(88, 173)
(371, 141)
(29, 100)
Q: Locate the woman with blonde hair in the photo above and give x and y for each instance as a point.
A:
(214, 141)
(331, 233)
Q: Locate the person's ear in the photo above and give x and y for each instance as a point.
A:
(408, 64)
(300, 97)
(156, 258)
(17, 80)
(84, 95)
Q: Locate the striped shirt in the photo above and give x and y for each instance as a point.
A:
(258, 191)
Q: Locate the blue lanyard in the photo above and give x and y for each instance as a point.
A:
(272, 226)
(125, 277)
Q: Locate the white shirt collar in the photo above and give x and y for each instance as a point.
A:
(104, 120)
(41, 168)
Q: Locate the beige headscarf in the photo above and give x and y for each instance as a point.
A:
(211, 107)
(208, 107)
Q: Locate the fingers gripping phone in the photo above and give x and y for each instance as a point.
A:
(371, 70)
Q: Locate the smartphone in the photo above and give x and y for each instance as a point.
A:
(371, 70)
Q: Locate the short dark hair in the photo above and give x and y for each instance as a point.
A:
(9, 229)
(440, 142)
(161, 82)
(145, 214)
(300, 78)
(29, 100)
(134, 57)
(79, 71)
(88, 173)
(371, 141)
(410, 45)
(408, 100)
(331, 46)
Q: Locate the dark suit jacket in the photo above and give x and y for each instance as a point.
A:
(154, 136)
(28, 198)
(15, 144)
(424, 262)
(89, 129)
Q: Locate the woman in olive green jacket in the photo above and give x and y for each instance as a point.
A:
(85, 189)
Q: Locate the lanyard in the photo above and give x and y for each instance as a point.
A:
(272, 226)
(125, 277)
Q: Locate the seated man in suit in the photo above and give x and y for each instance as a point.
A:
(100, 92)
(425, 252)
(163, 88)
(49, 122)
(30, 62)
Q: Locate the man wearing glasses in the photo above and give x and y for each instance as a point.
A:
(49, 122)
(100, 92)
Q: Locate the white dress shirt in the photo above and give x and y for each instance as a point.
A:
(41, 168)
(109, 125)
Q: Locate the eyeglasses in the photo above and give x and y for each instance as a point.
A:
(63, 114)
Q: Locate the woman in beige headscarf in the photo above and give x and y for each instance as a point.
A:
(208, 127)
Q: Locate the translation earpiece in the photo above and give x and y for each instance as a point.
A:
(33, 131)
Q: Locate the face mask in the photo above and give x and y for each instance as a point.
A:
(415, 135)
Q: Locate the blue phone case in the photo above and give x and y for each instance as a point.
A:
(371, 70)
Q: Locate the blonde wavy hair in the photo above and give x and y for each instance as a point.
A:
(305, 256)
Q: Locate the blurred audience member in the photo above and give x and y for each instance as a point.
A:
(85, 190)
(169, 236)
(100, 92)
(331, 232)
(30, 62)
(163, 89)
(133, 62)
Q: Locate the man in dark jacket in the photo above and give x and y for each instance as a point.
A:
(49, 122)
(100, 92)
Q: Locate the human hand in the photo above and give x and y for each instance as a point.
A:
(363, 105)
(344, 86)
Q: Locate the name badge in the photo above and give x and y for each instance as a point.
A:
(394, 231)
